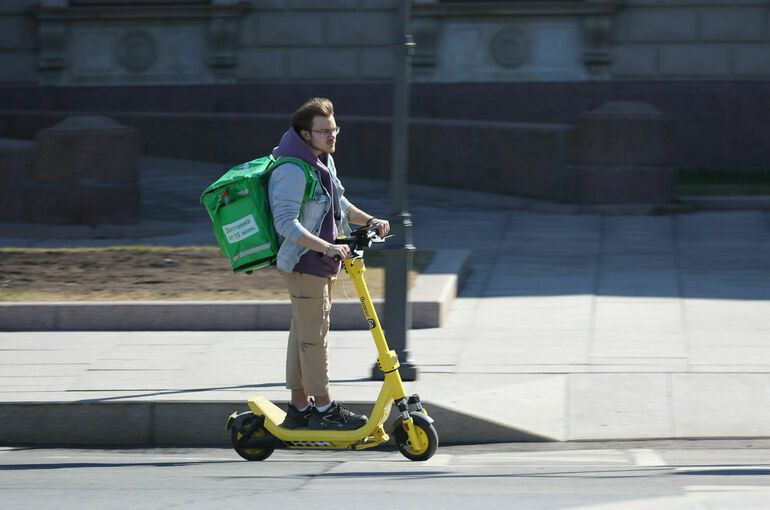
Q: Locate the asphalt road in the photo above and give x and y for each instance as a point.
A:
(627, 475)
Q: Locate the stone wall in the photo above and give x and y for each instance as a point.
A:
(319, 41)
(70, 42)
(719, 124)
(18, 43)
(17, 158)
(61, 42)
(693, 39)
(524, 159)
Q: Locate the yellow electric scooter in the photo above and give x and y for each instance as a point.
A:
(257, 433)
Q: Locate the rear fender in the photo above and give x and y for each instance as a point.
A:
(236, 421)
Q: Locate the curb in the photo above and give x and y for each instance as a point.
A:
(197, 423)
(431, 298)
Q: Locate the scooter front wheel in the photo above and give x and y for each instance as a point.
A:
(237, 437)
(427, 435)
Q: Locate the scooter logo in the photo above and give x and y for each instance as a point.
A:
(371, 323)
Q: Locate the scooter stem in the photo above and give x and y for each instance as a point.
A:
(387, 359)
(355, 268)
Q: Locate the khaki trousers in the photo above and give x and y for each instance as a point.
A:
(307, 354)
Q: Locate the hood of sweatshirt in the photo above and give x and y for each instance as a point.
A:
(293, 145)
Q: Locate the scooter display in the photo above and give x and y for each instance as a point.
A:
(255, 434)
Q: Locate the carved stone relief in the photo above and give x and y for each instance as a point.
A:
(136, 51)
(511, 47)
(513, 41)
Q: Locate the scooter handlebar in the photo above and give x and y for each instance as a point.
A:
(360, 239)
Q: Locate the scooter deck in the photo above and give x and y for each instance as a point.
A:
(274, 416)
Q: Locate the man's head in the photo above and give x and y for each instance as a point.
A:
(314, 122)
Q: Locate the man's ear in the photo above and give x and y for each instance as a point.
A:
(305, 135)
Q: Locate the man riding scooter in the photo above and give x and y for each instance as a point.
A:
(308, 261)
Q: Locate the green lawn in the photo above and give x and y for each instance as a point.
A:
(697, 181)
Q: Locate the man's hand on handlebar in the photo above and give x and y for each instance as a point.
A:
(359, 239)
(381, 226)
(338, 251)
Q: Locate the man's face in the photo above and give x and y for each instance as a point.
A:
(322, 137)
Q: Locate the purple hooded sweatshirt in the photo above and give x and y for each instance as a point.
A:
(313, 262)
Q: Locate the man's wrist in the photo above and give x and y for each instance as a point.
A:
(370, 220)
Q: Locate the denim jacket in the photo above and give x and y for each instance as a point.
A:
(286, 189)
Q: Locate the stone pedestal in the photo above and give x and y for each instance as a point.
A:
(622, 152)
(86, 171)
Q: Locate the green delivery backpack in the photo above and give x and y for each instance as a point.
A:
(239, 207)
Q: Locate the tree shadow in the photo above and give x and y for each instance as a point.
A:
(199, 390)
(74, 465)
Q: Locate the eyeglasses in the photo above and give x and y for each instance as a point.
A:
(327, 132)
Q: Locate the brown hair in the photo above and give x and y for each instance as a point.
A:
(315, 107)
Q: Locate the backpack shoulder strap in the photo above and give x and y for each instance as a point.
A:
(311, 181)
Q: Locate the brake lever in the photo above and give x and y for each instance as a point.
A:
(380, 240)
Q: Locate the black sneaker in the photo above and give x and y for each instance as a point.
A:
(296, 419)
(337, 417)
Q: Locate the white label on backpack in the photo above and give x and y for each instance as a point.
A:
(241, 229)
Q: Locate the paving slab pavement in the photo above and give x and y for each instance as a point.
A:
(569, 326)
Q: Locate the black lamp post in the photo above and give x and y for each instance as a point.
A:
(398, 255)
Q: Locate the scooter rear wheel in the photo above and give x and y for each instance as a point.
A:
(250, 453)
(428, 441)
